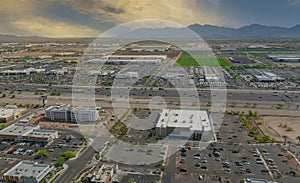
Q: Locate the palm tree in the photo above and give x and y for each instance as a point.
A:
(285, 138)
(298, 138)
(289, 142)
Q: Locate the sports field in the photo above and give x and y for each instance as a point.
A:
(200, 59)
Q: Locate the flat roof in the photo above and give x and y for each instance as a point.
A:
(284, 55)
(28, 130)
(6, 112)
(29, 169)
(39, 133)
(18, 129)
(190, 119)
(139, 56)
(66, 107)
(62, 107)
(255, 180)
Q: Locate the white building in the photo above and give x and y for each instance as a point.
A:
(262, 75)
(28, 132)
(184, 124)
(130, 59)
(284, 57)
(22, 72)
(27, 172)
(74, 114)
(256, 180)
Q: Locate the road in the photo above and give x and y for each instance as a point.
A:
(173, 94)
(170, 169)
(76, 166)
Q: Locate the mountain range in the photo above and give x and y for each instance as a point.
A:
(248, 31)
(212, 31)
(205, 31)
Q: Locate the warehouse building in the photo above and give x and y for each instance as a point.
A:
(228, 50)
(256, 180)
(263, 75)
(27, 172)
(9, 113)
(21, 72)
(185, 124)
(241, 60)
(130, 59)
(28, 133)
(150, 48)
(284, 57)
(66, 112)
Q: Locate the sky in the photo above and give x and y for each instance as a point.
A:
(90, 18)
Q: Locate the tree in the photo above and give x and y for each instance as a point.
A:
(162, 168)
(2, 125)
(289, 142)
(298, 138)
(43, 152)
(60, 161)
(131, 180)
(69, 154)
(250, 113)
(285, 138)
(280, 106)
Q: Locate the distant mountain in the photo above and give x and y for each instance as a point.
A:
(11, 37)
(211, 31)
(249, 31)
(205, 31)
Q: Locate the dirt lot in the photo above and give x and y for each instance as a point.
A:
(275, 127)
(290, 64)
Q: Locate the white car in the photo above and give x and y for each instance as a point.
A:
(200, 177)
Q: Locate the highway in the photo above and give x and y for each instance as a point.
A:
(104, 93)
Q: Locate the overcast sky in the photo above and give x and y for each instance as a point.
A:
(81, 18)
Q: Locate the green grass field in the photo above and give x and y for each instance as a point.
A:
(187, 60)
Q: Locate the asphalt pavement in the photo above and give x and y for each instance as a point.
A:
(76, 166)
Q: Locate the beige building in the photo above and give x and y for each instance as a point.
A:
(9, 113)
(27, 132)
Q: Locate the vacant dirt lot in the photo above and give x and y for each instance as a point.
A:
(290, 64)
(276, 127)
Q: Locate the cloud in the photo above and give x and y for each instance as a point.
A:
(121, 11)
(35, 17)
(294, 2)
(26, 17)
(53, 28)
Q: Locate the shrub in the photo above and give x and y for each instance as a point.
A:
(289, 129)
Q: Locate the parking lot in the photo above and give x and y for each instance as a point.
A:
(233, 159)
(139, 178)
(67, 141)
